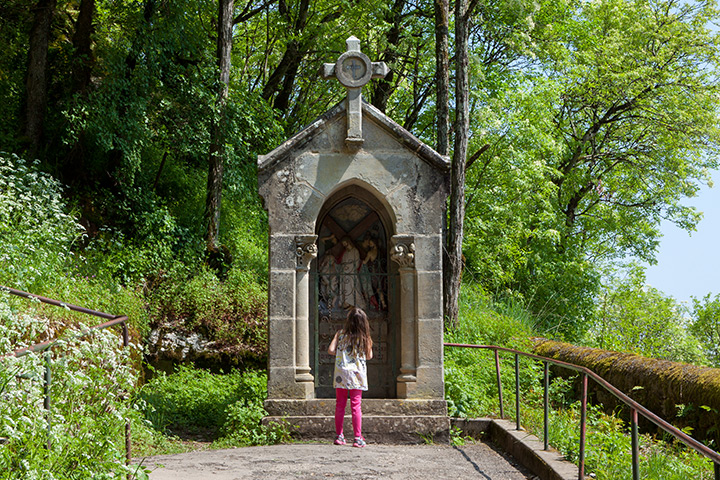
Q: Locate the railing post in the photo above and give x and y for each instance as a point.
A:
(128, 438)
(546, 404)
(717, 470)
(517, 391)
(46, 392)
(499, 382)
(583, 425)
(635, 448)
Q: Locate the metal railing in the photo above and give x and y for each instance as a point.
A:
(46, 347)
(635, 408)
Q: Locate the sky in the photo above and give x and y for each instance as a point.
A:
(688, 265)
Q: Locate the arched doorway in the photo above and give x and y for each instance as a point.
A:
(353, 268)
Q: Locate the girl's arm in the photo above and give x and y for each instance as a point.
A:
(333, 345)
(369, 354)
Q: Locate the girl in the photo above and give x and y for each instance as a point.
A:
(352, 347)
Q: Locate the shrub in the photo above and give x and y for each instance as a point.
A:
(228, 407)
(36, 230)
(232, 313)
(470, 375)
(91, 382)
(189, 399)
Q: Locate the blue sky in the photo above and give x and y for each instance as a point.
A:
(689, 264)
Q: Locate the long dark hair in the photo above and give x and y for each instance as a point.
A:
(357, 332)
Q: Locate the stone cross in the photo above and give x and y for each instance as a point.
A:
(353, 70)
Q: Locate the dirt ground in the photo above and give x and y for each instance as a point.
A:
(314, 461)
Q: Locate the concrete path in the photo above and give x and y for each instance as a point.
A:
(316, 461)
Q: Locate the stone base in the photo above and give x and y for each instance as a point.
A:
(370, 406)
(375, 428)
(384, 420)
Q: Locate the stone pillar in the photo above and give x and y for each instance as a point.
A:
(403, 253)
(306, 250)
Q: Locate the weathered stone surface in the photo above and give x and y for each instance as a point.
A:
(411, 429)
(168, 346)
(370, 406)
(430, 304)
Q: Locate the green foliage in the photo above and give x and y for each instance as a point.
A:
(586, 146)
(608, 453)
(188, 399)
(229, 406)
(470, 375)
(471, 390)
(91, 383)
(233, 312)
(635, 318)
(705, 326)
(36, 230)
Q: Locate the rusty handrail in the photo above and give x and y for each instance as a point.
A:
(44, 346)
(587, 373)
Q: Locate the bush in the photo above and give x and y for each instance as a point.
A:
(189, 399)
(232, 313)
(470, 375)
(229, 407)
(92, 380)
(36, 230)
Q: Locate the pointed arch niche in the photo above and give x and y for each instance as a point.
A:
(354, 268)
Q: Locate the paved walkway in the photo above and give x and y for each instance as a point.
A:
(315, 461)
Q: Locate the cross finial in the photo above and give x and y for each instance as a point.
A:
(353, 70)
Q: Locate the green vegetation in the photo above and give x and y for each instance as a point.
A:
(92, 380)
(228, 409)
(589, 123)
(471, 391)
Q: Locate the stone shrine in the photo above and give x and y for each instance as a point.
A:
(355, 207)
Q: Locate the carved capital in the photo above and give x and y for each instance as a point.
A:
(305, 250)
(403, 251)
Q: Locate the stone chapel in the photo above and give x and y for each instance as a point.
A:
(355, 206)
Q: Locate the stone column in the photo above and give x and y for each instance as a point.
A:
(306, 250)
(403, 253)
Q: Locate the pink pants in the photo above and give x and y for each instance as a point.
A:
(341, 396)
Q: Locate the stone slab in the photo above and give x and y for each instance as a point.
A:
(370, 406)
(526, 448)
(413, 429)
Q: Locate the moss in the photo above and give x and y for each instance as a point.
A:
(683, 394)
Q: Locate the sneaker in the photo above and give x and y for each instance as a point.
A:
(359, 442)
(340, 440)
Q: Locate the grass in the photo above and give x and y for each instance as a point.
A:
(471, 391)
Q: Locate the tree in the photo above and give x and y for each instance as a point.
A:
(442, 75)
(706, 326)
(636, 120)
(452, 272)
(215, 162)
(37, 73)
(495, 34)
(635, 318)
(596, 140)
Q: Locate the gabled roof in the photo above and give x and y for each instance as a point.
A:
(407, 139)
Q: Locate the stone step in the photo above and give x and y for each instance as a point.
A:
(397, 429)
(370, 406)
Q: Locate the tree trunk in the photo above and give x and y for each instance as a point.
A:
(82, 44)
(36, 80)
(453, 268)
(384, 87)
(442, 80)
(217, 151)
(281, 81)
